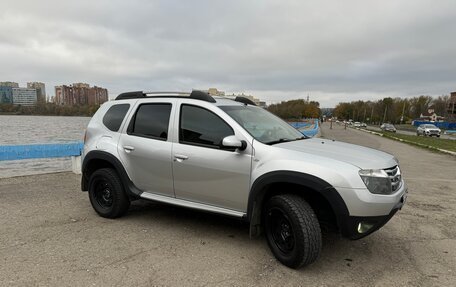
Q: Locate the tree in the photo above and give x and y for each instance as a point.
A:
(296, 109)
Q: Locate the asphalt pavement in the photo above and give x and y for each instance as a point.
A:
(50, 236)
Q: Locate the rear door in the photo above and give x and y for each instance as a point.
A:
(145, 146)
(205, 172)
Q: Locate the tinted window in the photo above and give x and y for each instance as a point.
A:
(151, 120)
(202, 127)
(114, 116)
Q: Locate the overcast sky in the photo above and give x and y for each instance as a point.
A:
(276, 50)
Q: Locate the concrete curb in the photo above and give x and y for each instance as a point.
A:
(409, 142)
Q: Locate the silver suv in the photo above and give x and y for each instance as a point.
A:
(428, 130)
(230, 157)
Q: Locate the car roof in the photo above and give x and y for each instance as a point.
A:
(195, 95)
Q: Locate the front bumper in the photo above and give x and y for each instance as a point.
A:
(432, 133)
(356, 227)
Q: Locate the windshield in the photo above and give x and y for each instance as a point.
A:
(262, 125)
(430, 126)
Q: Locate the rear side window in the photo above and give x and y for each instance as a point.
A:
(151, 120)
(114, 116)
(199, 126)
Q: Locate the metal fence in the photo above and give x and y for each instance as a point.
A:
(442, 125)
(308, 128)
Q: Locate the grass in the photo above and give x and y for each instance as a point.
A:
(431, 142)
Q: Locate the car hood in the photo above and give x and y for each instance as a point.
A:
(362, 157)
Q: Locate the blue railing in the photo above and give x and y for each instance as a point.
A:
(309, 128)
(16, 152)
(442, 125)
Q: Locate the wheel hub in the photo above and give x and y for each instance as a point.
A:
(103, 194)
(281, 231)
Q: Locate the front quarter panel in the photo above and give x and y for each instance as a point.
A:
(336, 173)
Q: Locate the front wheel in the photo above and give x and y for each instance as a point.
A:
(292, 230)
(106, 193)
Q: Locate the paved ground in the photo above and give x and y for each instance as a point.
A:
(49, 235)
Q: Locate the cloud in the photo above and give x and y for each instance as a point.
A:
(334, 50)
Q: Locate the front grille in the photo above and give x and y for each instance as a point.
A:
(394, 174)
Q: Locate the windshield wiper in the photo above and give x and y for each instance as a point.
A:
(302, 138)
(282, 140)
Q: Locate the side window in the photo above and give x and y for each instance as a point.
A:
(199, 126)
(114, 116)
(151, 120)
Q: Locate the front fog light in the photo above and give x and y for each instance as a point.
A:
(376, 181)
(364, 227)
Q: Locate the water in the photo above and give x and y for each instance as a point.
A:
(15, 130)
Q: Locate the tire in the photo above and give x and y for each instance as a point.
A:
(107, 194)
(292, 230)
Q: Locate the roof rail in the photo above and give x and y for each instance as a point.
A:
(166, 93)
(244, 100)
(200, 95)
(195, 94)
(131, 95)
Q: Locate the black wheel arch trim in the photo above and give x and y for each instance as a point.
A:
(260, 188)
(96, 155)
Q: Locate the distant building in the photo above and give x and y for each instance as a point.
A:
(215, 92)
(80, 94)
(40, 90)
(6, 95)
(9, 84)
(257, 101)
(24, 96)
(431, 116)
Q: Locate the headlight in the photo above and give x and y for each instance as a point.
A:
(376, 181)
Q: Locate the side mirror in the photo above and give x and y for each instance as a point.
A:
(234, 142)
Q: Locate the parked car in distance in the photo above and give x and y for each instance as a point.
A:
(388, 128)
(363, 125)
(428, 130)
(357, 124)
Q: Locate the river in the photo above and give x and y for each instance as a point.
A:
(16, 130)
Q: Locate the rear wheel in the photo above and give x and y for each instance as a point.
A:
(292, 230)
(106, 193)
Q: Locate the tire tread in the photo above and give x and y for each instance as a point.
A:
(309, 235)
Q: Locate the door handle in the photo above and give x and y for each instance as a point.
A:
(180, 157)
(128, 148)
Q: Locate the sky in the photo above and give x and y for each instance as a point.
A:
(331, 51)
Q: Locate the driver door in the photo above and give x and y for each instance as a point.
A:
(204, 172)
